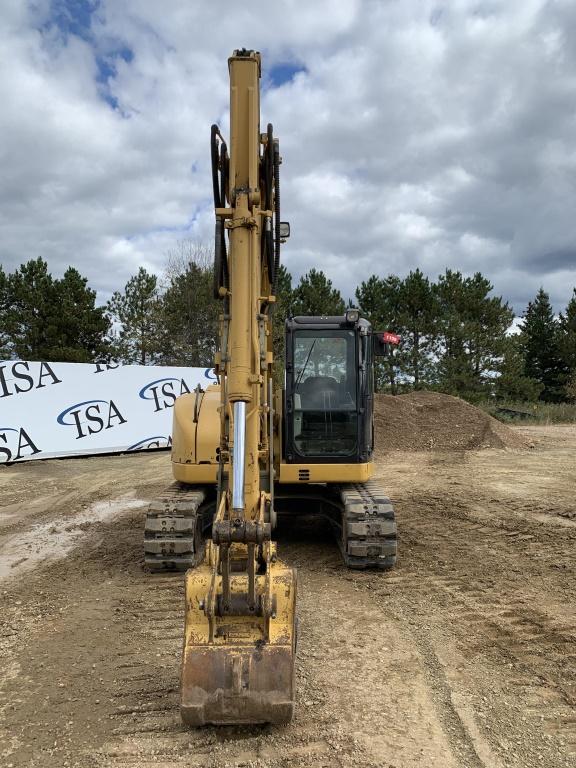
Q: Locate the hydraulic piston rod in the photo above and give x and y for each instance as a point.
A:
(239, 456)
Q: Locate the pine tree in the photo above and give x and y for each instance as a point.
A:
(471, 336)
(512, 383)
(488, 319)
(454, 368)
(571, 388)
(567, 335)
(81, 326)
(4, 338)
(189, 311)
(31, 317)
(541, 345)
(137, 310)
(379, 302)
(314, 295)
(567, 344)
(280, 313)
(417, 321)
(52, 320)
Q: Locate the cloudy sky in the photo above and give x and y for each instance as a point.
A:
(414, 134)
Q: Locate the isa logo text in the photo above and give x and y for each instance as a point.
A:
(15, 444)
(20, 376)
(91, 417)
(156, 441)
(163, 392)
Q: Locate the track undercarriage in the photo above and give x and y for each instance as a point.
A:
(360, 514)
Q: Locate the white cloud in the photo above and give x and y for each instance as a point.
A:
(416, 134)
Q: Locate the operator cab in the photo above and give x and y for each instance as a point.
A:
(329, 389)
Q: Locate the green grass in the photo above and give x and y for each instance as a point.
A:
(531, 413)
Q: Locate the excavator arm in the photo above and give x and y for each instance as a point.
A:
(239, 646)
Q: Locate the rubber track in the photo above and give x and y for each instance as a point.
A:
(172, 534)
(368, 537)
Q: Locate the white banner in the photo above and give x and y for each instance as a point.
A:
(67, 409)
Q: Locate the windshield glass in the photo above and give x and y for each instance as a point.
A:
(325, 382)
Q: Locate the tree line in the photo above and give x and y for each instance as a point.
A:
(455, 334)
(456, 337)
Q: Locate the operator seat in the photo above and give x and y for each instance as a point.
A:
(319, 392)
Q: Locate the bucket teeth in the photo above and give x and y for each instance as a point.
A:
(237, 684)
(239, 668)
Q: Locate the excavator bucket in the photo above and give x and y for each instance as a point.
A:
(239, 668)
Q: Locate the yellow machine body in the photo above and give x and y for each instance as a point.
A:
(196, 437)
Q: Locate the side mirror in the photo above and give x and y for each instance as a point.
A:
(284, 230)
(381, 341)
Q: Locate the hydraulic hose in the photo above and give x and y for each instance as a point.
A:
(269, 166)
(224, 172)
(276, 214)
(214, 134)
(219, 158)
(267, 195)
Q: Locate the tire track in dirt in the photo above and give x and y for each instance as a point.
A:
(117, 658)
(146, 723)
(477, 572)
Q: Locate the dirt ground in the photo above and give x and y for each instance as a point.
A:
(462, 656)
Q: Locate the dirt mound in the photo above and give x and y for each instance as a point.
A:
(430, 421)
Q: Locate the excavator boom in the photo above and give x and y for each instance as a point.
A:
(238, 657)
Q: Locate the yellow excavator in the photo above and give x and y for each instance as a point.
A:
(242, 453)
